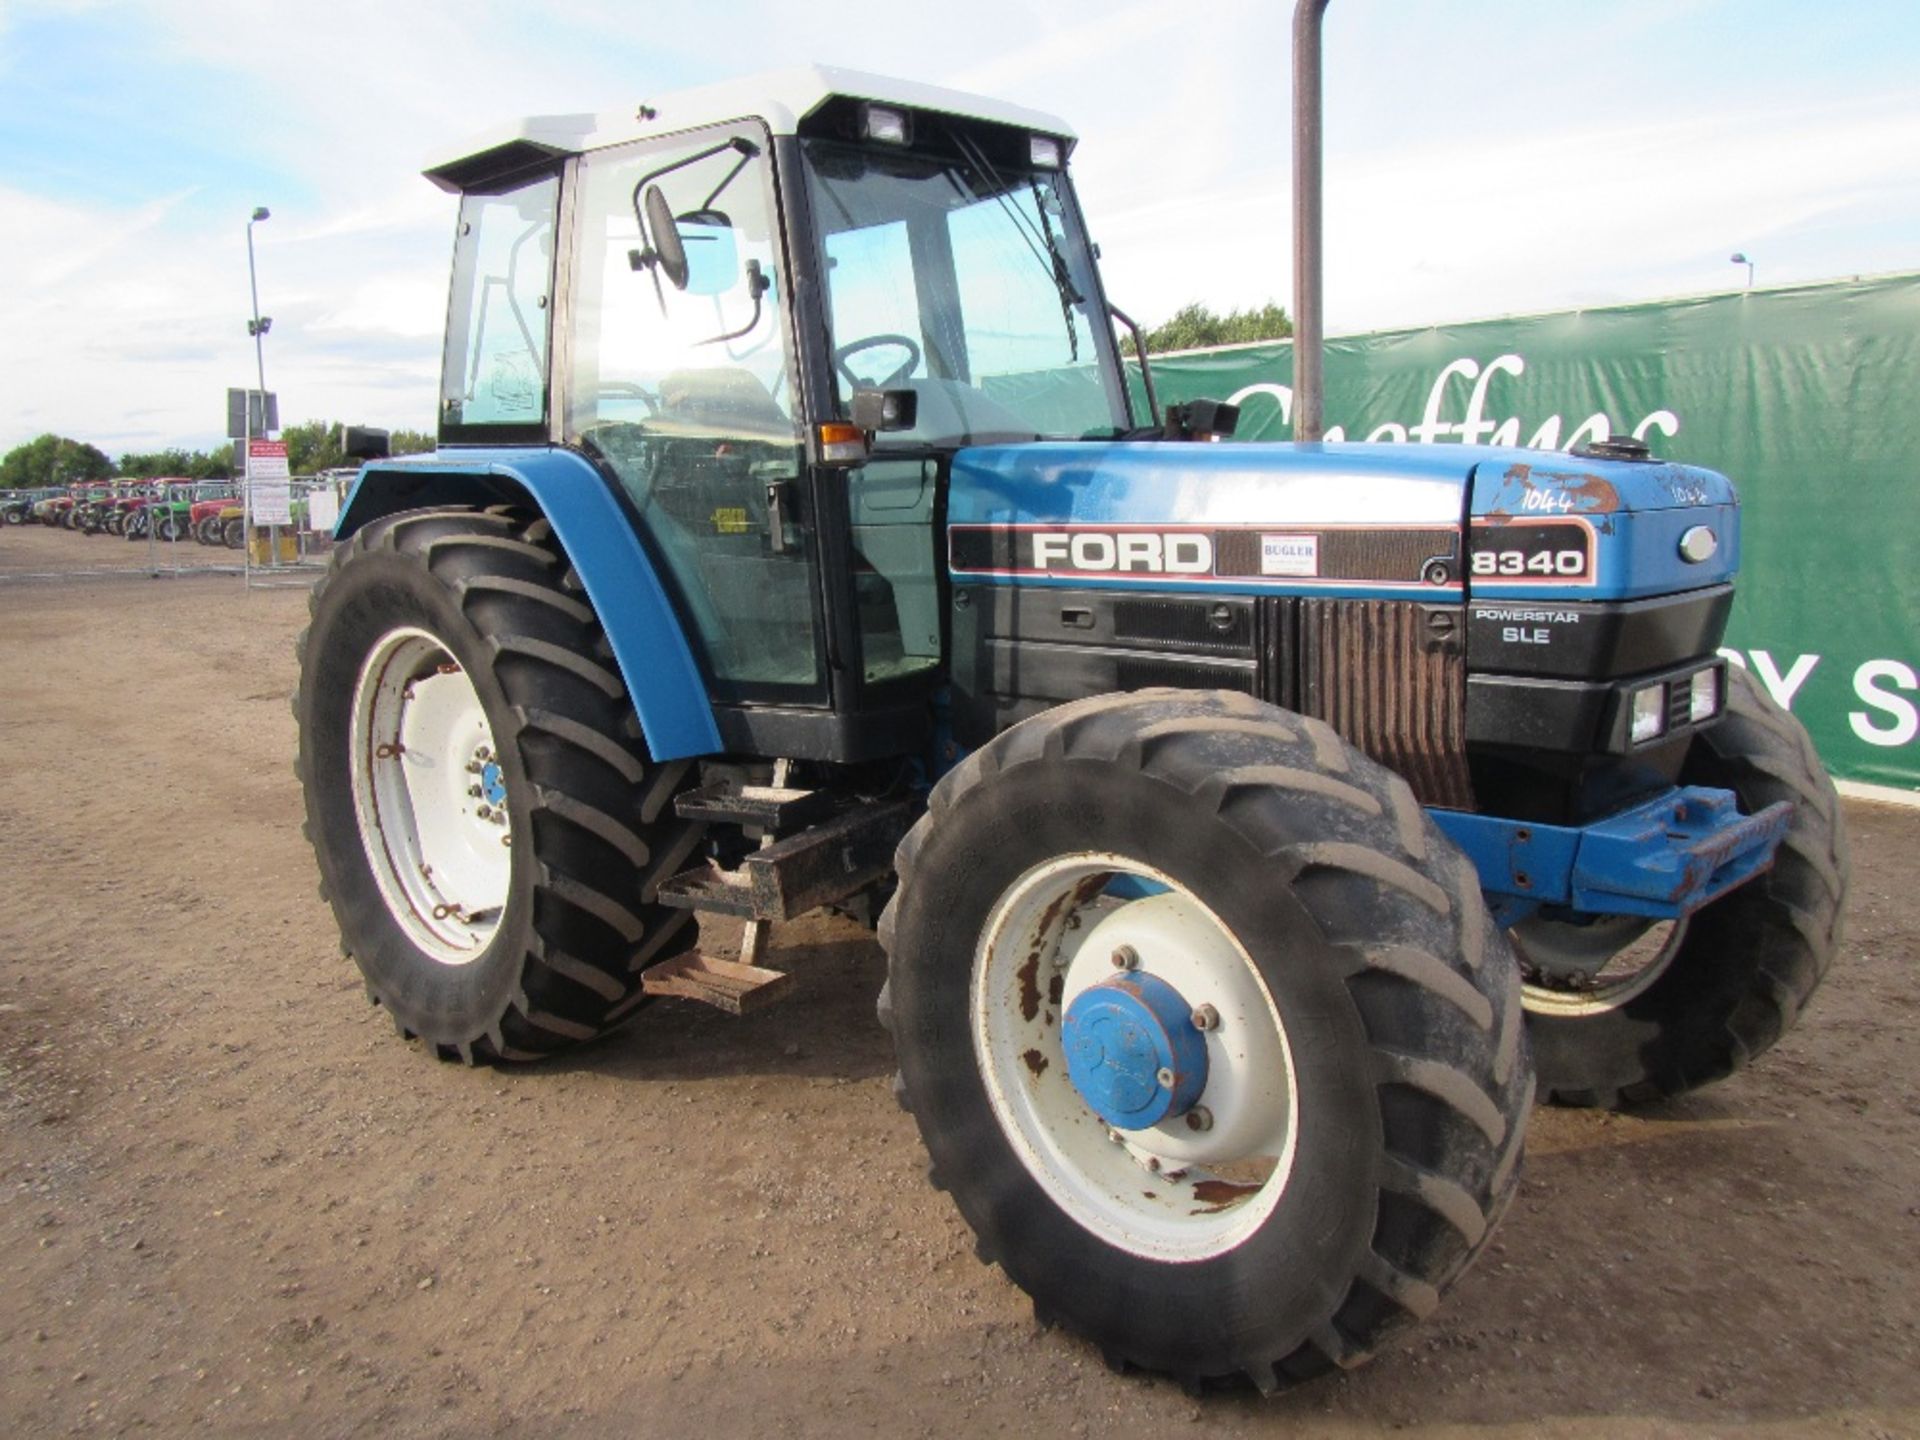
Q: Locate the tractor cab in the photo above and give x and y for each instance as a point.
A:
(702, 299)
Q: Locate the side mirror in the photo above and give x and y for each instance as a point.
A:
(363, 442)
(713, 258)
(670, 254)
(875, 410)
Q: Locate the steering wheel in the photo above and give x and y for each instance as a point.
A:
(627, 390)
(846, 352)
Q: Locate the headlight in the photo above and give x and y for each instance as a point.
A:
(1703, 698)
(890, 127)
(1649, 714)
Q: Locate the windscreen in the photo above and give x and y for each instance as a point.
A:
(967, 283)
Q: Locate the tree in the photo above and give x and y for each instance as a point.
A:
(1195, 327)
(52, 460)
(313, 446)
(195, 464)
(316, 445)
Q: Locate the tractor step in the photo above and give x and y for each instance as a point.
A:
(725, 984)
(819, 866)
(773, 808)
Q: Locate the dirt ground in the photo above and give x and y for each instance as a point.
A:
(235, 1203)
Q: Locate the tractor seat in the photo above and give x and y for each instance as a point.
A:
(721, 401)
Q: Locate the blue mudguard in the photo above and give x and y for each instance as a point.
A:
(649, 646)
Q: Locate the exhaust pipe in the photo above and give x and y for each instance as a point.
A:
(1309, 390)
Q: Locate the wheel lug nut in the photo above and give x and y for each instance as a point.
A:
(1205, 1017)
(1164, 1078)
(474, 790)
(1125, 957)
(484, 811)
(1199, 1118)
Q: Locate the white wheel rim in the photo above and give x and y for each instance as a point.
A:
(429, 797)
(1639, 954)
(1167, 1192)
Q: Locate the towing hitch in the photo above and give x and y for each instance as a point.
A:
(1662, 859)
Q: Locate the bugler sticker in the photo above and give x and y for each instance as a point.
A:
(1290, 555)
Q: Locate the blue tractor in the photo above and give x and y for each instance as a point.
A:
(1246, 825)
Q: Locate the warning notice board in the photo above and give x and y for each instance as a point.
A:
(269, 494)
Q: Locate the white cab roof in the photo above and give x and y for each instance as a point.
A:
(780, 98)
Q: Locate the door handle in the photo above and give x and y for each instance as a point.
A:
(779, 497)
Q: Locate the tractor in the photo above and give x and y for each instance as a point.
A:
(1250, 828)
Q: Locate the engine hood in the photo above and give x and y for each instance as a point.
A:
(1383, 521)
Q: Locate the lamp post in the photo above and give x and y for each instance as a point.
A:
(1739, 257)
(258, 326)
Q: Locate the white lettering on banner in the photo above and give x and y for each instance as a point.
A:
(1875, 682)
(1906, 718)
(1783, 687)
(1478, 426)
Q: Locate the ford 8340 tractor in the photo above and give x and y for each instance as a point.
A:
(1246, 825)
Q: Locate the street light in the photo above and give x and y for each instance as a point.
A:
(258, 326)
(1739, 257)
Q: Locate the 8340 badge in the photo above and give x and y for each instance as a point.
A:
(1532, 552)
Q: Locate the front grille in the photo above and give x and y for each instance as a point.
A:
(1204, 624)
(1144, 672)
(1390, 676)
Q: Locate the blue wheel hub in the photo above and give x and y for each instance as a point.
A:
(493, 785)
(1133, 1052)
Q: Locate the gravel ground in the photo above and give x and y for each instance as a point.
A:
(235, 1202)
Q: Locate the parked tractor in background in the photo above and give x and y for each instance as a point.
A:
(20, 507)
(1231, 814)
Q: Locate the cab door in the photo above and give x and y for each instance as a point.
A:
(678, 380)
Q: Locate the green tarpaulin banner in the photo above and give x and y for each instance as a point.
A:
(1807, 397)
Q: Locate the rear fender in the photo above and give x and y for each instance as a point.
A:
(649, 646)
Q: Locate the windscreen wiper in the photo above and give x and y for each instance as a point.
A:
(1056, 266)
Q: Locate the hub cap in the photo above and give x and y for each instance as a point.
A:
(430, 797)
(1178, 1162)
(1132, 1051)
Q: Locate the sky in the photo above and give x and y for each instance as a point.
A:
(1484, 158)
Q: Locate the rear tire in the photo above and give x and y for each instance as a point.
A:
(1332, 925)
(487, 598)
(1734, 977)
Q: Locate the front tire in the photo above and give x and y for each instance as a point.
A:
(1710, 992)
(489, 827)
(1366, 1090)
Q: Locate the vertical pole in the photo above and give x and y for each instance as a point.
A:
(259, 350)
(1309, 390)
(260, 364)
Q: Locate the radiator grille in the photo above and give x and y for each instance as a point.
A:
(1389, 676)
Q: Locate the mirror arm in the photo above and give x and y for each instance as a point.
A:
(1139, 349)
(757, 285)
(641, 184)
